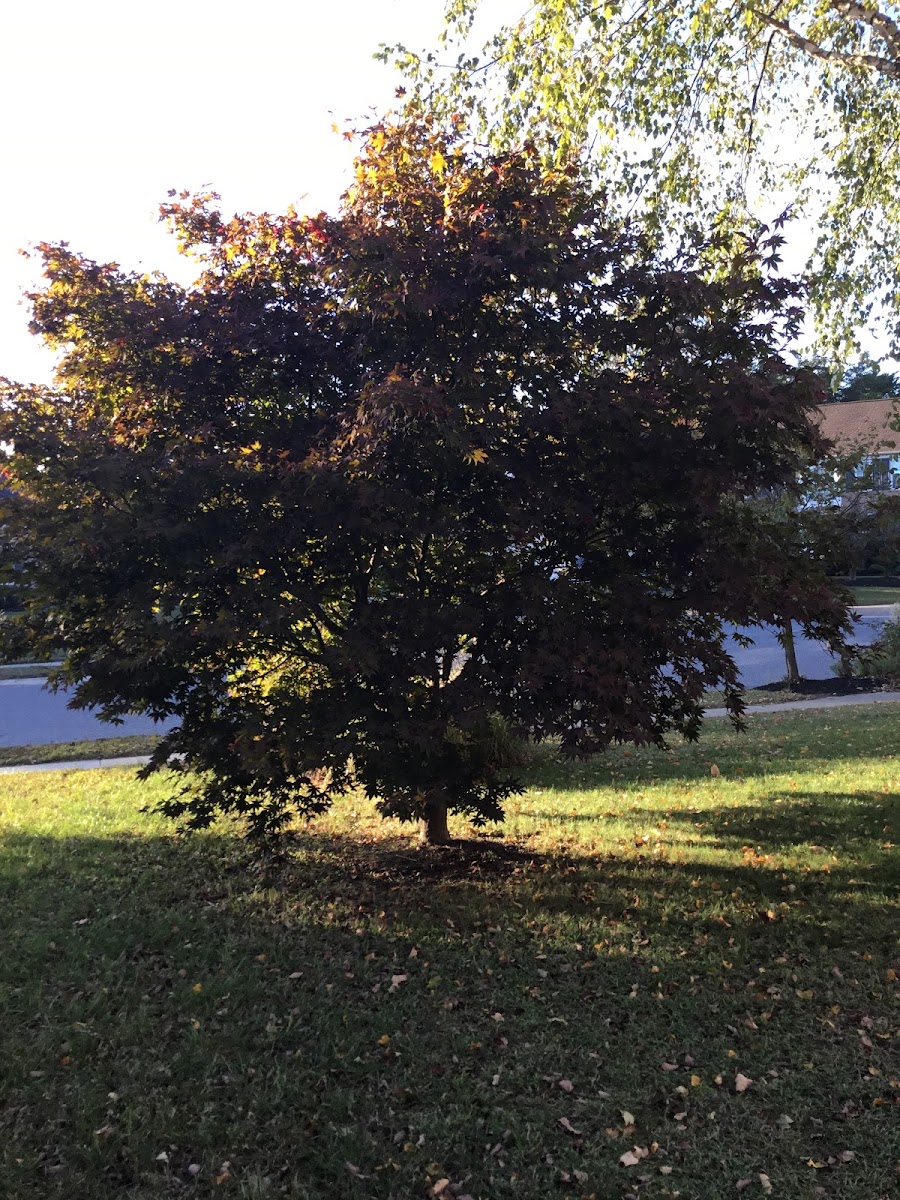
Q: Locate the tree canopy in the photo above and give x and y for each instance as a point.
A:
(466, 452)
(696, 109)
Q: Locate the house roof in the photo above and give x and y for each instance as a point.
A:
(861, 424)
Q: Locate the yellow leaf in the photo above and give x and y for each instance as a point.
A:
(384, 1040)
(438, 163)
(476, 456)
(198, 987)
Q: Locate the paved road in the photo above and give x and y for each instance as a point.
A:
(31, 716)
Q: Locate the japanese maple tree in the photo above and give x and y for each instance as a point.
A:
(466, 452)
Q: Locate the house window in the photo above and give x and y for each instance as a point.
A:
(885, 472)
(881, 471)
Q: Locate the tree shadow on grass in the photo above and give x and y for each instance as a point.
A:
(383, 994)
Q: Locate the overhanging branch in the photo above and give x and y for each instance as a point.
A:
(880, 22)
(888, 67)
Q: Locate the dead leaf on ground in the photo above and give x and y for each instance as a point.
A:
(355, 1171)
(742, 1082)
(632, 1158)
(569, 1127)
(566, 1085)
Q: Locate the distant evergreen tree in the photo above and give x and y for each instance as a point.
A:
(865, 380)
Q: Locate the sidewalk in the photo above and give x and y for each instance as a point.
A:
(814, 702)
(79, 764)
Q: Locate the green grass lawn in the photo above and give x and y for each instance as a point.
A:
(876, 595)
(690, 972)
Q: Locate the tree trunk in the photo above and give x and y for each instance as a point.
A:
(790, 654)
(433, 825)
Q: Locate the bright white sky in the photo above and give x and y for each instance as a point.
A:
(109, 103)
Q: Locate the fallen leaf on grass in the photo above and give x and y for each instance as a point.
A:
(633, 1158)
(627, 1117)
(355, 1171)
(573, 1177)
(569, 1127)
(765, 1182)
(566, 1085)
(742, 1082)
(396, 980)
(440, 1187)
(742, 1184)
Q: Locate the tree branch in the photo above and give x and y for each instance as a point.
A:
(883, 25)
(865, 62)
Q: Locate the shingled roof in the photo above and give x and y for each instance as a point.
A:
(861, 424)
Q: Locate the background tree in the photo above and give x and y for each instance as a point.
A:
(829, 519)
(464, 452)
(697, 109)
(865, 380)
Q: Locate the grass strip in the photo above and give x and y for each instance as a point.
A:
(115, 747)
(876, 595)
(23, 671)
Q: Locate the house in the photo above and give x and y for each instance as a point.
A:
(864, 427)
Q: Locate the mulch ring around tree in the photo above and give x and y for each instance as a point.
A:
(833, 686)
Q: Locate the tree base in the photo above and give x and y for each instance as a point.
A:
(433, 829)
